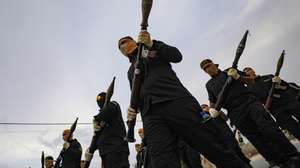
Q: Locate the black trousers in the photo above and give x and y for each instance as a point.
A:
(115, 160)
(189, 156)
(230, 139)
(262, 131)
(284, 116)
(164, 122)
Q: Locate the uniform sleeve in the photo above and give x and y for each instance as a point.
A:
(168, 53)
(211, 96)
(107, 113)
(130, 75)
(74, 151)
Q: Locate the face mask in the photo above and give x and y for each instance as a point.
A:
(101, 100)
(128, 47)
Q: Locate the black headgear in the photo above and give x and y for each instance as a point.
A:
(101, 99)
(49, 158)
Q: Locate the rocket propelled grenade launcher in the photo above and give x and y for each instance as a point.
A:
(238, 54)
(43, 160)
(136, 81)
(93, 145)
(72, 129)
(268, 103)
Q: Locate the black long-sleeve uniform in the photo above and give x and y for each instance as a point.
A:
(72, 156)
(284, 102)
(112, 147)
(295, 90)
(169, 110)
(250, 117)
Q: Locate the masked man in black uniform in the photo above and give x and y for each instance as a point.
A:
(113, 149)
(169, 110)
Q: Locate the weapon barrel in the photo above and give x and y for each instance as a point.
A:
(73, 127)
(135, 91)
(239, 52)
(280, 63)
(93, 145)
(146, 8)
(220, 99)
(110, 92)
(136, 81)
(268, 103)
(43, 159)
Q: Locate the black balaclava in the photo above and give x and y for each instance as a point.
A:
(101, 99)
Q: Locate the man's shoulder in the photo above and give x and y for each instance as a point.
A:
(212, 80)
(157, 45)
(114, 103)
(267, 76)
(158, 42)
(76, 142)
(209, 83)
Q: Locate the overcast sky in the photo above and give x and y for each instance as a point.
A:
(57, 55)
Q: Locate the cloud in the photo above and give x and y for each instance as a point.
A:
(55, 57)
(252, 6)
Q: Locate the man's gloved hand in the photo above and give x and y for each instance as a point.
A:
(144, 38)
(88, 156)
(276, 79)
(66, 145)
(131, 114)
(214, 113)
(233, 73)
(96, 126)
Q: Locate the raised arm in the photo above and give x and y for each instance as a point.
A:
(167, 53)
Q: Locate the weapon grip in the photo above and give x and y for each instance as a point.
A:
(130, 133)
(269, 98)
(220, 99)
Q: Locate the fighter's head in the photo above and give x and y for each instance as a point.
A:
(49, 162)
(66, 134)
(205, 107)
(209, 67)
(250, 72)
(101, 99)
(127, 46)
